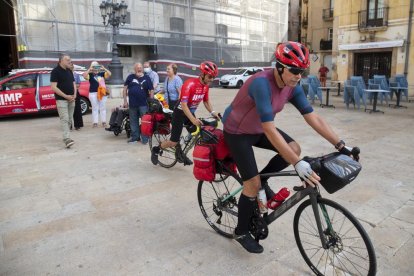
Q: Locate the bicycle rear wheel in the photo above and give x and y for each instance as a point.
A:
(220, 215)
(166, 157)
(349, 252)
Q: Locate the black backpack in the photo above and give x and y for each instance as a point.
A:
(154, 106)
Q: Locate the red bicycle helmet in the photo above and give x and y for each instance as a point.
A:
(208, 67)
(292, 54)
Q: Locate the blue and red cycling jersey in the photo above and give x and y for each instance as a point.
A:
(193, 92)
(258, 101)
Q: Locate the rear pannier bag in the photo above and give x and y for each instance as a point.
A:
(337, 170)
(147, 124)
(226, 166)
(204, 168)
(221, 150)
(164, 127)
(159, 117)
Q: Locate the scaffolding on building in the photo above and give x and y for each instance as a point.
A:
(219, 30)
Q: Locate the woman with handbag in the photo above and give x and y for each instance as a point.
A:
(172, 86)
(96, 74)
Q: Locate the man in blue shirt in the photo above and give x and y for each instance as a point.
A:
(139, 88)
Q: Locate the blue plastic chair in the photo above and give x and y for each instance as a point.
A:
(361, 95)
(314, 88)
(383, 84)
(402, 81)
(349, 95)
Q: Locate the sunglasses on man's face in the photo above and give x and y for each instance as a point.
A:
(294, 70)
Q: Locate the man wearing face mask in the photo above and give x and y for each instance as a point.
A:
(138, 87)
(153, 76)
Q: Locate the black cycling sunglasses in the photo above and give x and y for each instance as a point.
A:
(293, 70)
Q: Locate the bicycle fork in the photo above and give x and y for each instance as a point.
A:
(315, 205)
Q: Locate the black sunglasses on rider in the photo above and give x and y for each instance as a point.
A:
(293, 70)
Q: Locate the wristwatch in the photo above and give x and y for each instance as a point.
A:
(340, 143)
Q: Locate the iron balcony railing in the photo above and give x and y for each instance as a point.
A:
(374, 18)
(325, 45)
(327, 14)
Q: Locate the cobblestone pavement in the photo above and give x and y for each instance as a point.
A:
(102, 208)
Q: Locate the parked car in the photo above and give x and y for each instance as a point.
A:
(28, 91)
(238, 77)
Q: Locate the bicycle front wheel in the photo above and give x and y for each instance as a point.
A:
(349, 250)
(166, 157)
(219, 213)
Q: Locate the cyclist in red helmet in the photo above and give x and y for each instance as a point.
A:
(249, 121)
(193, 92)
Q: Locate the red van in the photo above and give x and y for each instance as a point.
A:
(28, 91)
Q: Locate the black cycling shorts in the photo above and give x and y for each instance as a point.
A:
(241, 148)
(179, 120)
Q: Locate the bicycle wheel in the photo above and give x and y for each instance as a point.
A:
(166, 157)
(349, 252)
(221, 216)
(220, 177)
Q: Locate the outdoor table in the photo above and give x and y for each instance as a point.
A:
(374, 106)
(339, 86)
(327, 96)
(399, 90)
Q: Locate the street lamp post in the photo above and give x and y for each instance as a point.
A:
(116, 13)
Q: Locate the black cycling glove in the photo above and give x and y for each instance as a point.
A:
(346, 150)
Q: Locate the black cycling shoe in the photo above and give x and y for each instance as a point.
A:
(248, 243)
(269, 192)
(179, 155)
(154, 154)
(187, 161)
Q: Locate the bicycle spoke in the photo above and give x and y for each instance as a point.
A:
(210, 196)
(356, 254)
(348, 251)
(353, 264)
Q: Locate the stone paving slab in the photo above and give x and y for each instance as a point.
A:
(101, 208)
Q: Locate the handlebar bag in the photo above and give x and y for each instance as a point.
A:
(147, 124)
(204, 168)
(337, 170)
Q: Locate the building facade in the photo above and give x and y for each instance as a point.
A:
(317, 32)
(361, 37)
(230, 33)
(294, 20)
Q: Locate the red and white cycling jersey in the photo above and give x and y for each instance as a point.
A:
(193, 92)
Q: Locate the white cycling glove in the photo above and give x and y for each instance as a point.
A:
(303, 169)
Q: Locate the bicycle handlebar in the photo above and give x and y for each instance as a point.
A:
(204, 121)
(315, 163)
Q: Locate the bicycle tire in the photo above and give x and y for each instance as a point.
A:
(166, 157)
(209, 196)
(346, 241)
